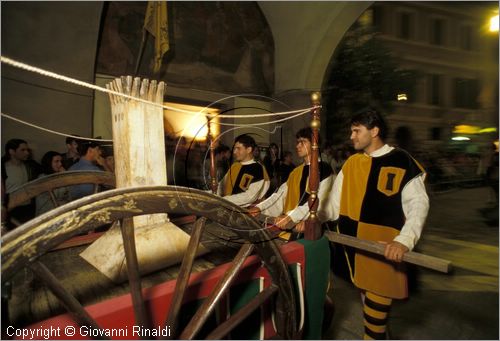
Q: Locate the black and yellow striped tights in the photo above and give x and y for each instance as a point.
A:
(375, 310)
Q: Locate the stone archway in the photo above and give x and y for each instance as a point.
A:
(306, 35)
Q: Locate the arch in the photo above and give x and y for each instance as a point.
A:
(305, 37)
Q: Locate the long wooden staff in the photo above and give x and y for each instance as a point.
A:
(213, 174)
(419, 259)
(429, 262)
(313, 228)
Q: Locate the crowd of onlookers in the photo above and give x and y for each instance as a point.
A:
(188, 164)
(19, 168)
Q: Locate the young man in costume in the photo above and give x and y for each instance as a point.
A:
(379, 195)
(247, 181)
(289, 203)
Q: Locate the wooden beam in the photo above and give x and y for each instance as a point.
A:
(313, 226)
(419, 259)
(213, 166)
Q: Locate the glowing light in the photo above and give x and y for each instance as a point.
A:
(402, 97)
(466, 129)
(470, 130)
(460, 138)
(189, 125)
(488, 130)
(494, 24)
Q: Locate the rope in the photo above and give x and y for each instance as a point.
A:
(57, 76)
(52, 131)
(304, 111)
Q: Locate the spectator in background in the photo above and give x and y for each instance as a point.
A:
(272, 163)
(286, 167)
(16, 171)
(327, 154)
(90, 160)
(271, 160)
(338, 160)
(109, 158)
(257, 154)
(35, 167)
(222, 160)
(71, 156)
(51, 164)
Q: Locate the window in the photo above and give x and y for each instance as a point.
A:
(465, 93)
(411, 94)
(435, 133)
(466, 38)
(437, 32)
(435, 89)
(405, 25)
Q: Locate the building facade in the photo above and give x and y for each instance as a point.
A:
(456, 55)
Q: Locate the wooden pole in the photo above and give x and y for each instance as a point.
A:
(313, 227)
(213, 173)
(419, 259)
(141, 51)
(416, 258)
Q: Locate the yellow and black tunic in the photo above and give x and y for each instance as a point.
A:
(239, 177)
(298, 190)
(371, 209)
(298, 185)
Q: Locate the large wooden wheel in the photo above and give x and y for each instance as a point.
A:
(51, 182)
(23, 247)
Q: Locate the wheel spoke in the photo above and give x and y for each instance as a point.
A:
(53, 198)
(134, 278)
(228, 325)
(69, 301)
(15, 222)
(221, 287)
(184, 273)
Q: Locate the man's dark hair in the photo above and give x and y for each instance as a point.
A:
(307, 133)
(370, 118)
(221, 148)
(72, 138)
(246, 140)
(107, 150)
(84, 145)
(12, 144)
